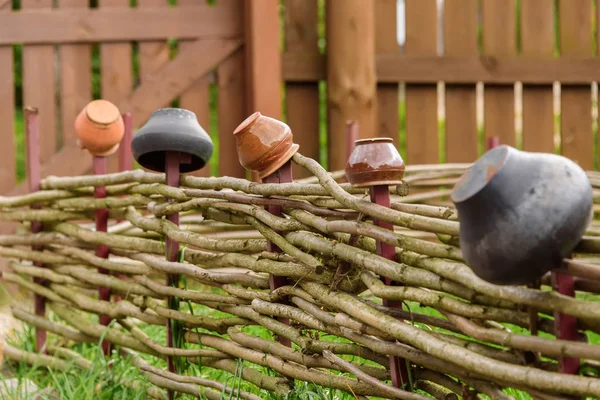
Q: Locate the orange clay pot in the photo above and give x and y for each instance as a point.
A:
(99, 127)
(264, 144)
(374, 162)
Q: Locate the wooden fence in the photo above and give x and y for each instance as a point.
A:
(340, 60)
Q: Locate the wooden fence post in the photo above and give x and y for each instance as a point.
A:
(351, 77)
(188, 149)
(32, 136)
(99, 128)
(376, 164)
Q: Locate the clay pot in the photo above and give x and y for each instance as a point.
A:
(520, 213)
(172, 130)
(99, 127)
(374, 162)
(264, 144)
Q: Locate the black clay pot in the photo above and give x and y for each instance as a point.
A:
(520, 213)
(171, 130)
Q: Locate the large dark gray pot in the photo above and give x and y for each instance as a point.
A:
(171, 130)
(520, 213)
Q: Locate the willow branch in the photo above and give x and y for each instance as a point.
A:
(171, 230)
(491, 369)
(390, 391)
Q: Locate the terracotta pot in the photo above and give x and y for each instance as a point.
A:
(172, 130)
(99, 127)
(520, 213)
(264, 144)
(374, 162)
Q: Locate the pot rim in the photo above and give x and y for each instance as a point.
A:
(106, 123)
(247, 123)
(373, 140)
(481, 173)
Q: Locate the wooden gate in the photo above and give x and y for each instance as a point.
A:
(141, 58)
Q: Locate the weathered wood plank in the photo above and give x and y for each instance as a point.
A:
(386, 42)
(302, 98)
(537, 38)
(351, 78)
(577, 137)
(421, 100)
(430, 69)
(39, 84)
(117, 72)
(231, 111)
(263, 62)
(499, 27)
(118, 24)
(196, 98)
(8, 173)
(460, 40)
(176, 76)
(168, 82)
(75, 79)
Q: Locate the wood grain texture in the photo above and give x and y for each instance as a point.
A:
(577, 137)
(39, 85)
(232, 111)
(176, 76)
(168, 82)
(421, 100)
(386, 42)
(302, 98)
(147, 22)
(351, 79)
(537, 39)
(75, 79)
(460, 39)
(460, 70)
(117, 72)
(196, 98)
(499, 40)
(8, 173)
(263, 62)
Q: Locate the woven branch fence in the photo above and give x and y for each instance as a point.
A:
(473, 345)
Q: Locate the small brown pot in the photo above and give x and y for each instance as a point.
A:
(374, 162)
(99, 127)
(264, 144)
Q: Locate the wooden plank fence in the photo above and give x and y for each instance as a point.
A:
(337, 60)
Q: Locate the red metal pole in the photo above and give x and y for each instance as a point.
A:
(32, 135)
(282, 175)
(380, 194)
(100, 167)
(565, 325)
(492, 142)
(172, 162)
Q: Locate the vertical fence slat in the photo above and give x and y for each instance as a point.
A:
(196, 98)
(39, 85)
(8, 173)
(117, 72)
(155, 54)
(460, 40)
(537, 39)
(351, 76)
(386, 41)
(75, 78)
(421, 100)
(499, 33)
(577, 138)
(302, 98)
(232, 110)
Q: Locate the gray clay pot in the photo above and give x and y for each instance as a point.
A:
(167, 130)
(521, 213)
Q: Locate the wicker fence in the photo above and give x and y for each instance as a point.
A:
(458, 334)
